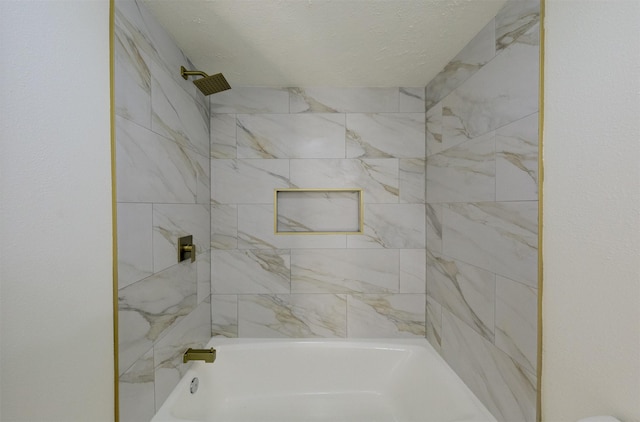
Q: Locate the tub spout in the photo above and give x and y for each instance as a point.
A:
(207, 355)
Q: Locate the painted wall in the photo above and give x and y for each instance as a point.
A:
(56, 326)
(162, 173)
(482, 191)
(365, 285)
(591, 299)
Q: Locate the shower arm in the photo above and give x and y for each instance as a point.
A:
(186, 73)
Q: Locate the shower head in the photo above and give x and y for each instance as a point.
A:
(208, 84)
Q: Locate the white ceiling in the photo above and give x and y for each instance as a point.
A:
(323, 42)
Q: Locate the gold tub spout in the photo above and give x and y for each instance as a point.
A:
(207, 355)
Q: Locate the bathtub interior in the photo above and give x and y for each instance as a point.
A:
(306, 380)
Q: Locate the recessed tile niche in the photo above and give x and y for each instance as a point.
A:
(318, 211)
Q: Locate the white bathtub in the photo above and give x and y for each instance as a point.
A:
(262, 380)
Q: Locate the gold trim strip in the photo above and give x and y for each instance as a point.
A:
(360, 193)
(114, 212)
(540, 208)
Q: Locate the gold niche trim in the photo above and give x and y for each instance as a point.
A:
(357, 191)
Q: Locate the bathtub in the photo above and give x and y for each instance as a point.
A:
(262, 380)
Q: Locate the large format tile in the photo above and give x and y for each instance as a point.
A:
(503, 386)
(203, 276)
(132, 80)
(176, 115)
(148, 308)
(202, 165)
(378, 178)
(256, 231)
(291, 135)
(247, 181)
(172, 221)
(434, 227)
(413, 277)
(399, 226)
(465, 173)
(434, 324)
(505, 90)
(152, 168)
(344, 271)
(136, 391)
(297, 316)
(517, 160)
(223, 136)
(385, 135)
(224, 226)
(501, 237)
(517, 321)
(251, 271)
(411, 175)
(464, 290)
(412, 100)
(224, 316)
(344, 100)
(386, 315)
(193, 331)
(251, 100)
(135, 244)
(517, 21)
(480, 50)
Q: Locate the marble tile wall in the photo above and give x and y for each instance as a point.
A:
(481, 208)
(367, 285)
(163, 192)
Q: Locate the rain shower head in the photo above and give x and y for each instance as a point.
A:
(208, 84)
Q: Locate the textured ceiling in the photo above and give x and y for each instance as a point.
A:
(323, 42)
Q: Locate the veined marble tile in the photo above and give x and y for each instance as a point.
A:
(224, 316)
(517, 21)
(318, 212)
(386, 315)
(223, 136)
(344, 100)
(503, 91)
(298, 316)
(251, 100)
(434, 324)
(177, 116)
(412, 100)
(386, 135)
(171, 221)
(434, 227)
(152, 168)
(193, 331)
(503, 386)
(465, 173)
(136, 391)
(251, 271)
(344, 271)
(247, 181)
(256, 231)
(203, 177)
(224, 226)
(317, 135)
(398, 226)
(517, 160)
(517, 321)
(501, 237)
(411, 174)
(203, 275)
(464, 290)
(135, 245)
(436, 141)
(480, 50)
(413, 277)
(148, 308)
(377, 177)
(132, 81)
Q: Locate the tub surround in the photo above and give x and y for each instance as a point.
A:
(268, 285)
(481, 202)
(163, 192)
